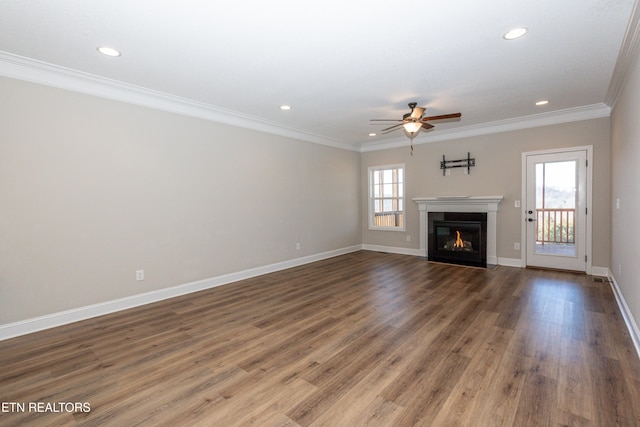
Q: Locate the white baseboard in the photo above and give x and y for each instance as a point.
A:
(517, 262)
(632, 326)
(36, 324)
(392, 250)
(11, 330)
(600, 271)
(510, 262)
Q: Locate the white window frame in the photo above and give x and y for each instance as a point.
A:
(400, 196)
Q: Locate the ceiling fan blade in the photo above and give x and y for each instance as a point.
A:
(417, 112)
(443, 116)
(392, 127)
(427, 126)
(385, 120)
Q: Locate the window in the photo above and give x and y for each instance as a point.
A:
(386, 197)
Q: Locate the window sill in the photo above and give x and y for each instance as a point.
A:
(387, 228)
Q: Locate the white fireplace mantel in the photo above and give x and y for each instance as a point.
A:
(488, 204)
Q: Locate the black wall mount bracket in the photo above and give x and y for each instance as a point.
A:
(462, 163)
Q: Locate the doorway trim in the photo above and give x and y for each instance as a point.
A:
(589, 215)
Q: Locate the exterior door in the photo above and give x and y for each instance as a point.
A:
(556, 209)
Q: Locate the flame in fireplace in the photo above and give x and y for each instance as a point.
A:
(459, 243)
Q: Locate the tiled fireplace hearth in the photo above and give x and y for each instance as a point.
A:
(462, 205)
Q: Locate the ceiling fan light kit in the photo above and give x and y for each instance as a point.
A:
(412, 127)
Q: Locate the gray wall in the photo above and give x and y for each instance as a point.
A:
(625, 186)
(92, 190)
(498, 171)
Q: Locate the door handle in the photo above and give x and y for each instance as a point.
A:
(531, 220)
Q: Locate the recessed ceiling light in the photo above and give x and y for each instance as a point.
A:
(515, 33)
(109, 51)
(285, 107)
(372, 134)
(542, 102)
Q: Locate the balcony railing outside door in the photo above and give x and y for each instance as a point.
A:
(555, 226)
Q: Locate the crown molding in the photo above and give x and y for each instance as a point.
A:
(34, 71)
(626, 57)
(586, 112)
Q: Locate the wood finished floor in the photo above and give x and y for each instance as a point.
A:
(361, 339)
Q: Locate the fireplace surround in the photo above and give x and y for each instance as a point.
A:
(461, 204)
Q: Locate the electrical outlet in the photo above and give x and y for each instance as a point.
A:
(516, 246)
(297, 246)
(139, 275)
(408, 238)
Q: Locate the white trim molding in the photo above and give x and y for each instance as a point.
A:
(586, 112)
(626, 57)
(24, 327)
(488, 204)
(505, 262)
(391, 250)
(632, 325)
(31, 70)
(600, 271)
(510, 262)
(11, 330)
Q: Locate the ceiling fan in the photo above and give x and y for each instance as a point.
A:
(414, 121)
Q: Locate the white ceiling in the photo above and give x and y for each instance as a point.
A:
(337, 63)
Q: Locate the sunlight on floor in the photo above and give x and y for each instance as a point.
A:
(560, 249)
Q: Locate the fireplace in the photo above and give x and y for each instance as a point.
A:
(459, 238)
(488, 205)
